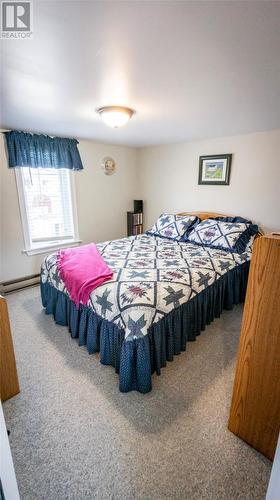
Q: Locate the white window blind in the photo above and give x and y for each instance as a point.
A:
(47, 206)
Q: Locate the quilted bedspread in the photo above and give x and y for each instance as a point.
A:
(152, 276)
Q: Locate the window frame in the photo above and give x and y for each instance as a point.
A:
(28, 248)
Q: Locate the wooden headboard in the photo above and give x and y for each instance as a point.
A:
(204, 215)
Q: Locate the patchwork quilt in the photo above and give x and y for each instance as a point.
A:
(152, 276)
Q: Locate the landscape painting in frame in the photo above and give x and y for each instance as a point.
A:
(214, 169)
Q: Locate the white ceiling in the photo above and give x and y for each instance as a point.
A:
(191, 70)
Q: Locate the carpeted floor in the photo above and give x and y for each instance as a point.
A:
(75, 436)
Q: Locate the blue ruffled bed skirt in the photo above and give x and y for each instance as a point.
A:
(136, 360)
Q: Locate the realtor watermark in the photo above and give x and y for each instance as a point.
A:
(17, 20)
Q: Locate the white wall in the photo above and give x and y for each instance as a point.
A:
(169, 178)
(273, 491)
(7, 471)
(102, 202)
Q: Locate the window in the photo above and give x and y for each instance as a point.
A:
(48, 209)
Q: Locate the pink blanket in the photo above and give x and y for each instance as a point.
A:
(82, 270)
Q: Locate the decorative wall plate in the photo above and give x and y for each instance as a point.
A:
(108, 165)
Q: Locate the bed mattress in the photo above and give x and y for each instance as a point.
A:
(152, 276)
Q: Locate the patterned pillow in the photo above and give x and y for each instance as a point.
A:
(249, 246)
(232, 219)
(173, 226)
(231, 236)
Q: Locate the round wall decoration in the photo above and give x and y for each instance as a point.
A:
(108, 165)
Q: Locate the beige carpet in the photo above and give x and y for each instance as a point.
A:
(75, 436)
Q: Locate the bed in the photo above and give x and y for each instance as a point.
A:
(162, 295)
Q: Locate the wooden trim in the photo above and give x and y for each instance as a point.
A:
(9, 385)
(205, 215)
(255, 407)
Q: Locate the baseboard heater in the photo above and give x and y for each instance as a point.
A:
(19, 283)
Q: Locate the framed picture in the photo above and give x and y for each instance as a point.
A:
(214, 169)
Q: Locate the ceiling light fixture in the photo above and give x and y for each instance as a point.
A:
(115, 116)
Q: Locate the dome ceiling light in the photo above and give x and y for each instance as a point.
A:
(115, 116)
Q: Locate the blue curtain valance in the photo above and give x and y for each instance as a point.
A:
(34, 150)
